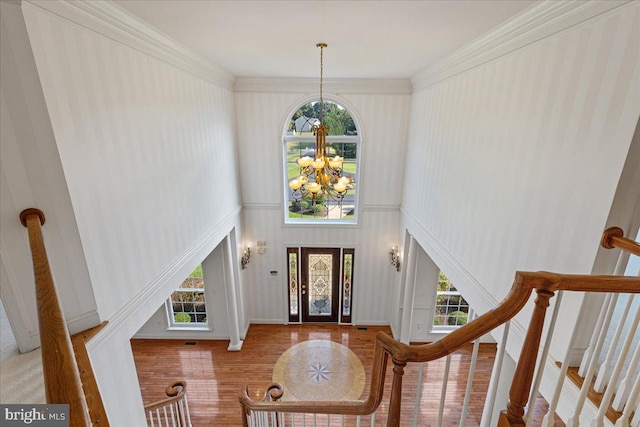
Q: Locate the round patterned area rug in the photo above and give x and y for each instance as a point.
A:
(319, 370)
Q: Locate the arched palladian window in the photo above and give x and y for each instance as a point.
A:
(335, 196)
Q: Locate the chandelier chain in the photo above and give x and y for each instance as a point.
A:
(321, 78)
(321, 175)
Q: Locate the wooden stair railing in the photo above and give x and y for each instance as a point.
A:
(61, 376)
(613, 237)
(64, 381)
(89, 385)
(544, 283)
(68, 374)
(177, 414)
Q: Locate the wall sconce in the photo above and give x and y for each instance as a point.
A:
(246, 257)
(395, 257)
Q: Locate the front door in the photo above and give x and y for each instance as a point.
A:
(320, 284)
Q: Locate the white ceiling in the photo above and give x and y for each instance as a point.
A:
(367, 39)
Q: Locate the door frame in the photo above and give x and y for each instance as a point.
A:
(336, 284)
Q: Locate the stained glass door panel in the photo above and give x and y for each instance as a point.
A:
(320, 284)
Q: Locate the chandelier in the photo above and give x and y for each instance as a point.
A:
(321, 174)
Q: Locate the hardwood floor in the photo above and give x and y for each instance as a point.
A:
(214, 375)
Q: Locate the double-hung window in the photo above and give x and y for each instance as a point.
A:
(451, 309)
(186, 307)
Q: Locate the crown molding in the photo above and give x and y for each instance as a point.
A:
(337, 86)
(115, 23)
(542, 20)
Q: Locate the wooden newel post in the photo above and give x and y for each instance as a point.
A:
(61, 375)
(523, 377)
(395, 401)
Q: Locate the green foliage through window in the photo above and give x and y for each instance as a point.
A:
(337, 117)
(451, 308)
(342, 140)
(188, 302)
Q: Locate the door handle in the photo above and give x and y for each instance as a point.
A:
(304, 287)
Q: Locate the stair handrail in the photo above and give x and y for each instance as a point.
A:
(544, 283)
(613, 237)
(175, 392)
(61, 375)
(176, 395)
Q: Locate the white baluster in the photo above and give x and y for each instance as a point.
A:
(358, 421)
(173, 418)
(635, 422)
(314, 420)
(606, 310)
(373, 419)
(543, 360)
(604, 320)
(186, 407)
(622, 394)
(634, 400)
(574, 420)
(166, 419)
(467, 393)
(328, 420)
(627, 383)
(418, 394)
(602, 379)
(586, 357)
(490, 400)
(598, 420)
(179, 414)
(151, 418)
(443, 393)
(342, 421)
(549, 418)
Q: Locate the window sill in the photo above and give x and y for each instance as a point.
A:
(204, 328)
(320, 223)
(443, 330)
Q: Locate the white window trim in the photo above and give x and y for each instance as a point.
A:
(448, 328)
(191, 326)
(357, 139)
